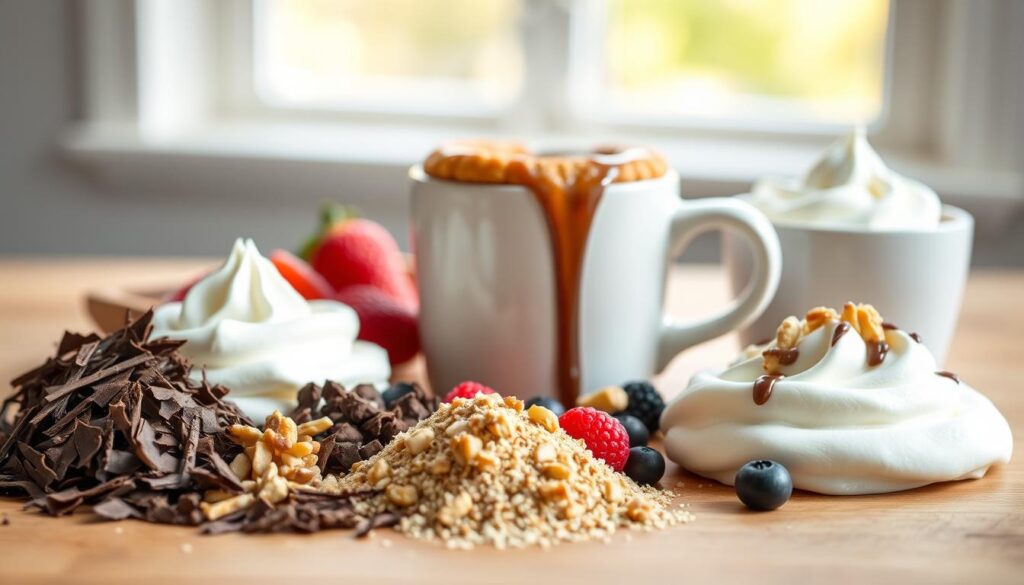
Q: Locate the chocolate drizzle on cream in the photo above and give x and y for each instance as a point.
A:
(877, 350)
(786, 357)
(949, 375)
(840, 331)
(892, 327)
(763, 387)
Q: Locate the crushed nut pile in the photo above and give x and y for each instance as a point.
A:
(483, 471)
(276, 461)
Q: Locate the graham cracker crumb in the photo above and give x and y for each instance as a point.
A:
(526, 485)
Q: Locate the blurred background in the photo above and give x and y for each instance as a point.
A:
(137, 127)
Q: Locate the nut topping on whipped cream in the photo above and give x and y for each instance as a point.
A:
(864, 319)
(848, 404)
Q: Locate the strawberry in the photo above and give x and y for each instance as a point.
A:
(332, 215)
(308, 282)
(360, 251)
(383, 321)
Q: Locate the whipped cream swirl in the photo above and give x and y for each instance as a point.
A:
(849, 185)
(253, 333)
(839, 425)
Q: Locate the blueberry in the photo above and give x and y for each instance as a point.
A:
(763, 485)
(644, 466)
(548, 403)
(397, 391)
(635, 428)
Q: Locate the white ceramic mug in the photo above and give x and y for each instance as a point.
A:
(487, 282)
(915, 278)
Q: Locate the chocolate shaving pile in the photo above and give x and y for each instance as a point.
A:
(117, 423)
(365, 420)
(303, 512)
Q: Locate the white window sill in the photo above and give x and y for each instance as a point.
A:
(366, 165)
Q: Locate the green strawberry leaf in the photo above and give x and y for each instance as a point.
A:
(331, 215)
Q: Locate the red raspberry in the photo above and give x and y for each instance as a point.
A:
(467, 390)
(605, 436)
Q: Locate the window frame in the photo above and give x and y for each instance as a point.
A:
(586, 79)
(153, 93)
(558, 38)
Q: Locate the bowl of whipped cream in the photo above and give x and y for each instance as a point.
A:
(851, 227)
(245, 327)
(846, 402)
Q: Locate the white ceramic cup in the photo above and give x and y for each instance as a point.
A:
(915, 278)
(487, 284)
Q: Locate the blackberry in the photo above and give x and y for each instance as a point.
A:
(645, 403)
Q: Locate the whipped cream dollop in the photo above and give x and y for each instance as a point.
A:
(839, 425)
(253, 333)
(849, 185)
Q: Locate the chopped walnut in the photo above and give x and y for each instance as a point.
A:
(789, 333)
(543, 417)
(610, 399)
(273, 463)
(557, 471)
(638, 510)
(402, 495)
(817, 317)
(419, 441)
(870, 324)
(458, 507)
(465, 447)
(850, 316)
(862, 318)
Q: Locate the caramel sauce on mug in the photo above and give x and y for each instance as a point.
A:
(569, 190)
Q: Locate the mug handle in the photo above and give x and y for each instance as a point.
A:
(694, 217)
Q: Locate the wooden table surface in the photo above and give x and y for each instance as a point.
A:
(971, 530)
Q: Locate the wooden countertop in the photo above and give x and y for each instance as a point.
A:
(971, 530)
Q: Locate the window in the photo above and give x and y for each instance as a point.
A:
(730, 90)
(400, 55)
(745, 60)
(704, 61)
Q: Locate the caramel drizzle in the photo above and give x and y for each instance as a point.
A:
(949, 375)
(569, 212)
(763, 387)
